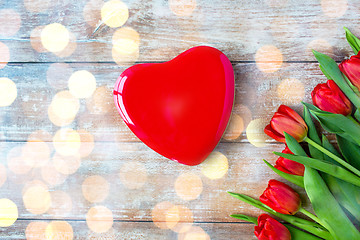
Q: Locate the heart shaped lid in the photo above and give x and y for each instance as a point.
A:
(179, 108)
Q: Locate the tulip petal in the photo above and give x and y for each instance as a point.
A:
(287, 111)
(273, 134)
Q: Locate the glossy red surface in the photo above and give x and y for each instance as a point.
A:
(178, 108)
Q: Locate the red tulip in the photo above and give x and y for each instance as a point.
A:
(329, 97)
(289, 166)
(286, 120)
(351, 69)
(270, 229)
(281, 198)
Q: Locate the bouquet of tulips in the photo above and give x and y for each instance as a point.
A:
(329, 175)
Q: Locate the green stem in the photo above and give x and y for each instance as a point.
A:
(312, 227)
(333, 156)
(352, 119)
(245, 218)
(310, 215)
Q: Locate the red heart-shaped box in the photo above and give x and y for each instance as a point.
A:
(178, 108)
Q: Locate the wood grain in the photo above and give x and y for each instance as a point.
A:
(247, 174)
(238, 28)
(139, 231)
(269, 43)
(257, 96)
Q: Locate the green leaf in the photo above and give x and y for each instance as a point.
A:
(353, 41)
(324, 166)
(333, 71)
(312, 133)
(298, 180)
(357, 114)
(309, 226)
(293, 145)
(350, 151)
(297, 234)
(244, 218)
(342, 191)
(324, 72)
(327, 208)
(336, 123)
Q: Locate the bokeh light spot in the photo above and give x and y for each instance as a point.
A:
(82, 84)
(95, 188)
(55, 37)
(92, 12)
(4, 55)
(63, 108)
(182, 7)
(133, 175)
(194, 233)
(320, 45)
(114, 13)
(158, 214)
(8, 92)
(69, 49)
(291, 91)
(35, 39)
(8, 212)
(126, 41)
(255, 132)
(36, 231)
(188, 186)
(51, 176)
(40, 136)
(234, 128)
(215, 166)
(15, 161)
(34, 183)
(36, 154)
(334, 8)
(99, 219)
(87, 143)
(66, 164)
(61, 204)
(36, 199)
(3, 174)
(101, 102)
(59, 230)
(58, 74)
(179, 218)
(10, 22)
(66, 142)
(269, 58)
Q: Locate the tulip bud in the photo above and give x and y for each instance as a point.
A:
(289, 166)
(329, 97)
(286, 120)
(268, 228)
(281, 198)
(351, 69)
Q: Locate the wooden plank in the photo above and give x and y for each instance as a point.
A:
(258, 94)
(130, 231)
(238, 28)
(131, 180)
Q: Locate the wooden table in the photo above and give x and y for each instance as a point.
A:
(71, 166)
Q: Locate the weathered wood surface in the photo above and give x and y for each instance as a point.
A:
(247, 174)
(138, 231)
(239, 28)
(257, 95)
(269, 43)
